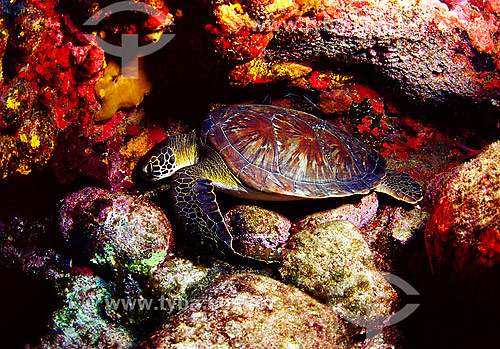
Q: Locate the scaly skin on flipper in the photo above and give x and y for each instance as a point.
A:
(196, 207)
(401, 186)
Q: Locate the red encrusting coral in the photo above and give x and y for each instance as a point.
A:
(319, 81)
(241, 45)
(51, 89)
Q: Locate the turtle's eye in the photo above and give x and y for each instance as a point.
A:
(148, 169)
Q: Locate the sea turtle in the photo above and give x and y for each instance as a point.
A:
(265, 152)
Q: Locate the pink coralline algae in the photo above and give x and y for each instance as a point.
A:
(257, 233)
(358, 214)
(393, 234)
(462, 235)
(479, 18)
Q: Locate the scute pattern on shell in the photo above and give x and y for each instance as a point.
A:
(289, 152)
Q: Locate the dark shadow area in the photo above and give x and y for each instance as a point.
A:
(34, 195)
(443, 320)
(26, 304)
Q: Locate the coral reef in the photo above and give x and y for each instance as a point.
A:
(393, 236)
(50, 84)
(245, 308)
(79, 322)
(418, 47)
(25, 244)
(180, 280)
(462, 234)
(232, 32)
(58, 88)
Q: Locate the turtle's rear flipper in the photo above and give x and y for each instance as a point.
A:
(196, 207)
(401, 186)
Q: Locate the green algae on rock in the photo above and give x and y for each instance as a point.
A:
(180, 281)
(248, 310)
(80, 323)
(333, 263)
(257, 232)
(100, 313)
(114, 231)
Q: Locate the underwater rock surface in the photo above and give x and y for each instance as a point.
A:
(462, 235)
(358, 214)
(394, 236)
(25, 244)
(333, 263)
(112, 230)
(257, 232)
(80, 322)
(252, 311)
(417, 46)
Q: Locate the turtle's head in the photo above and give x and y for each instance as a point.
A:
(170, 155)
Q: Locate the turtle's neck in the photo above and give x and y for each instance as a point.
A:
(188, 148)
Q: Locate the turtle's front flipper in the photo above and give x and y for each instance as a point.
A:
(197, 209)
(401, 186)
